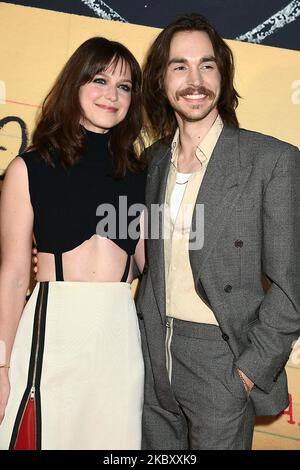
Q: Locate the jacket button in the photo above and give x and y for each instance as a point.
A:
(238, 243)
(228, 288)
(225, 337)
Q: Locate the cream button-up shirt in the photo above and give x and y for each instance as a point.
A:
(182, 301)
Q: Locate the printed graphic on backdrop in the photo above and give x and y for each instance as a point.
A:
(273, 23)
(13, 139)
(36, 42)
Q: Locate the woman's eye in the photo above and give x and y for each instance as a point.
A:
(99, 80)
(126, 88)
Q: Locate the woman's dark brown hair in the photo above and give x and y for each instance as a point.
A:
(58, 129)
(159, 112)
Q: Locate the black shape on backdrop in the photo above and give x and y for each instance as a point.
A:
(24, 134)
(232, 18)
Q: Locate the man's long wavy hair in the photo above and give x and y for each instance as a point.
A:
(159, 112)
(58, 129)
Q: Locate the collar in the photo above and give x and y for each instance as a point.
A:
(206, 146)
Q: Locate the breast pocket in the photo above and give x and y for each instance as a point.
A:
(245, 204)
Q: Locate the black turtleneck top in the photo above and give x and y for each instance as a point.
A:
(65, 201)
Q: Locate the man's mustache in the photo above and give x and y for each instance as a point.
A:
(201, 90)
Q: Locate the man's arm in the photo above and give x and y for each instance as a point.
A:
(279, 315)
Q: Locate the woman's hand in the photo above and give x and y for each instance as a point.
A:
(4, 391)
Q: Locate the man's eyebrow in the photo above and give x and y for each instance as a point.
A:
(177, 60)
(182, 60)
(209, 58)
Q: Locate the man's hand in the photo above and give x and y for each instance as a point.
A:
(34, 260)
(248, 384)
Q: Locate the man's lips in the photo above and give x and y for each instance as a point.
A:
(107, 108)
(194, 95)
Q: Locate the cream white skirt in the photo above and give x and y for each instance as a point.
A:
(77, 355)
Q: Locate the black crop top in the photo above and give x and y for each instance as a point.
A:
(65, 201)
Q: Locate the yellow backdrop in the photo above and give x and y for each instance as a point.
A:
(35, 44)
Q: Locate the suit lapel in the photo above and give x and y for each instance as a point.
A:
(221, 187)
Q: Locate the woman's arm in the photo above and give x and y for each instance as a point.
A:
(16, 224)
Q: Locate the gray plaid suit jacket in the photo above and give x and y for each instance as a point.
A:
(251, 194)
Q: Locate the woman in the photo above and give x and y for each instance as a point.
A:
(73, 359)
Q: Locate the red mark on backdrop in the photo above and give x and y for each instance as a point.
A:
(289, 411)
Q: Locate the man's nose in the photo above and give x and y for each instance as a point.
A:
(195, 77)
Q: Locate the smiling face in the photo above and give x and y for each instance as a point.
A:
(106, 99)
(192, 80)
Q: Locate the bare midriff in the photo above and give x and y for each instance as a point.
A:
(95, 260)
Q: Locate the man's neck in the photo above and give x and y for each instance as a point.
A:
(190, 136)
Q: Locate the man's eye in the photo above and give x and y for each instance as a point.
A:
(180, 67)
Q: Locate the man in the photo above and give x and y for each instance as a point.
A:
(215, 343)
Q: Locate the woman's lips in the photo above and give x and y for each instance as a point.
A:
(107, 108)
